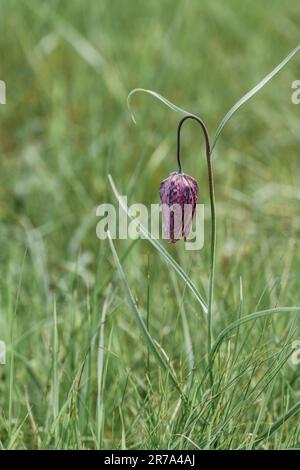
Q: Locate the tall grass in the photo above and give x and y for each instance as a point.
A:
(106, 341)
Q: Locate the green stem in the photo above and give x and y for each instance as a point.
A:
(213, 229)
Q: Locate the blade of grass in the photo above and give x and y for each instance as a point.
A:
(160, 249)
(161, 360)
(231, 112)
(270, 382)
(100, 369)
(148, 315)
(185, 324)
(55, 379)
(158, 97)
(251, 93)
(236, 340)
(12, 320)
(279, 422)
(250, 317)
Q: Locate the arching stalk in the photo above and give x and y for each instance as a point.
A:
(213, 227)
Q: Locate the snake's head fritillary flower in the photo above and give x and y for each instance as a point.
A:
(179, 194)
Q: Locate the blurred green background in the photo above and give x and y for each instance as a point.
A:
(68, 68)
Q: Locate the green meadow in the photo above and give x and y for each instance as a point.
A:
(107, 341)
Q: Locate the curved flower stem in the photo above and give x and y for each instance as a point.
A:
(213, 227)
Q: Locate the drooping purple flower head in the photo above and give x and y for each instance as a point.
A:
(179, 194)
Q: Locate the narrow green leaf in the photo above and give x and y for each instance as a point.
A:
(100, 368)
(168, 258)
(157, 96)
(250, 317)
(55, 379)
(231, 112)
(251, 93)
(148, 338)
(292, 411)
(185, 324)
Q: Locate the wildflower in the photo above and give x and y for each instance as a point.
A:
(179, 194)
